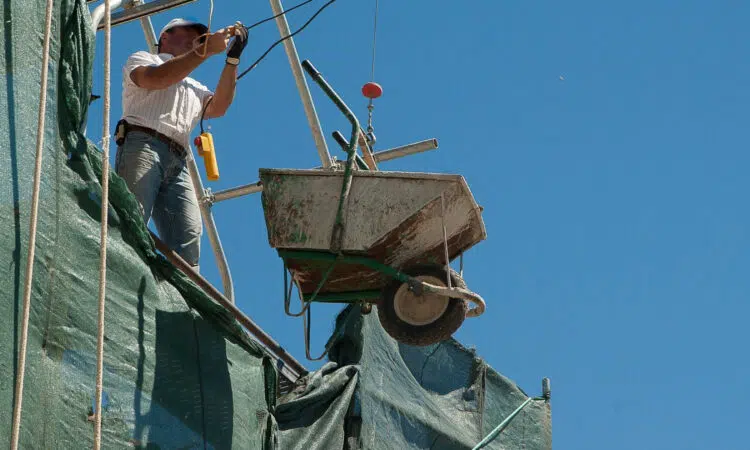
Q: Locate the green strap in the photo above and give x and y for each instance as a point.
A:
(499, 429)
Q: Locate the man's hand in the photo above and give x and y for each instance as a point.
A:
(238, 45)
(224, 93)
(215, 42)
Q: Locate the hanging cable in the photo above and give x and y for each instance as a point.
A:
(210, 17)
(103, 231)
(16, 426)
(250, 27)
(374, 40)
(257, 61)
(208, 30)
(211, 14)
(203, 112)
(372, 90)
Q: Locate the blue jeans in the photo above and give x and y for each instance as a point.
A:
(161, 183)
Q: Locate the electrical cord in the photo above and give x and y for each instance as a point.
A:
(257, 61)
(260, 58)
(249, 27)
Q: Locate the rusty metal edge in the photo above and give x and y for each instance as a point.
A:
(364, 173)
(477, 208)
(292, 366)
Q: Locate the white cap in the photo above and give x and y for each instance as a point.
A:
(179, 22)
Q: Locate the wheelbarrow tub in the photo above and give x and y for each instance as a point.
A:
(395, 218)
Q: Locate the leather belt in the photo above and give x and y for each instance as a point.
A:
(174, 147)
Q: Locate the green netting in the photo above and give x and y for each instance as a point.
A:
(437, 397)
(179, 373)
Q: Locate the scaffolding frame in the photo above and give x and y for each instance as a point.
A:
(125, 11)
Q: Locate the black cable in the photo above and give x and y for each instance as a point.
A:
(203, 112)
(257, 61)
(277, 15)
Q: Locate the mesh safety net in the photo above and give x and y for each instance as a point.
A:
(178, 370)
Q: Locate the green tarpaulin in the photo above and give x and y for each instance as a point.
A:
(179, 371)
(395, 396)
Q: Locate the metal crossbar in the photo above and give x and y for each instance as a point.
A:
(143, 10)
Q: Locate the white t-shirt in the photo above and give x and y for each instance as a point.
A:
(173, 111)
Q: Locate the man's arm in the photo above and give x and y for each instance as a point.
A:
(224, 93)
(166, 74)
(179, 67)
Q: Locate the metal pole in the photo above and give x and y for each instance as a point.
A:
(445, 241)
(148, 32)
(148, 29)
(145, 9)
(238, 191)
(292, 368)
(213, 233)
(98, 14)
(406, 150)
(304, 91)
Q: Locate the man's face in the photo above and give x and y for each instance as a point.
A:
(178, 41)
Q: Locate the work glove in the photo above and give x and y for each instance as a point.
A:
(237, 46)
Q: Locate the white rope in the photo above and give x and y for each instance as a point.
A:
(103, 247)
(32, 232)
(374, 41)
(208, 31)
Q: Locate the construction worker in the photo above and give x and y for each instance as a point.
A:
(161, 105)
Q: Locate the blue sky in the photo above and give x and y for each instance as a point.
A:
(607, 144)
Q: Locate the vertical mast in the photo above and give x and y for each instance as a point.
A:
(299, 79)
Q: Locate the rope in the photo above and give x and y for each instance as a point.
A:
(370, 106)
(207, 34)
(210, 17)
(374, 41)
(103, 238)
(16, 427)
(208, 31)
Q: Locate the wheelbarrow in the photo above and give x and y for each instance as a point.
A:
(367, 237)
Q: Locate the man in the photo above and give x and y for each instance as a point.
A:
(161, 105)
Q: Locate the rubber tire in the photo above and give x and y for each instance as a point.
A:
(429, 334)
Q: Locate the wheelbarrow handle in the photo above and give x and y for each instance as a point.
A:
(336, 99)
(337, 236)
(341, 140)
(461, 293)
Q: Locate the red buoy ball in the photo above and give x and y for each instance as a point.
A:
(372, 90)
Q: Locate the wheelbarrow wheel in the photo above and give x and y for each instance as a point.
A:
(421, 319)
